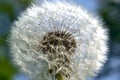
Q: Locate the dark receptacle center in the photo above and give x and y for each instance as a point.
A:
(58, 40)
(62, 44)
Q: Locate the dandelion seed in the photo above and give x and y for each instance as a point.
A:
(58, 41)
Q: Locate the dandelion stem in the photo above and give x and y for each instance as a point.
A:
(59, 76)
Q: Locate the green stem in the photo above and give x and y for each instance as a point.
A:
(59, 76)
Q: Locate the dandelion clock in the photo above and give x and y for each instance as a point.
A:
(58, 41)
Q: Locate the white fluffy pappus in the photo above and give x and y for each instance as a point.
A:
(58, 38)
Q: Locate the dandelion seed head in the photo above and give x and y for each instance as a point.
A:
(59, 37)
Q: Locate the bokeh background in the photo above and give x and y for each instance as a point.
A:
(108, 10)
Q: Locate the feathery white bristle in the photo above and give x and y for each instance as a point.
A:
(38, 20)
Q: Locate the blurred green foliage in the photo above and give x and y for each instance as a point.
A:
(7, 9)
(6, 69)
(111, 15)
(2, 40)
(11, 9)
